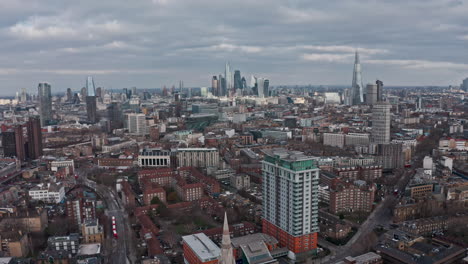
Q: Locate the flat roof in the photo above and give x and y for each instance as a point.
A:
(89, 249)
(202, 246)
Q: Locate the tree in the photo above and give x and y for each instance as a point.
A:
(156, 200)
(172, 197)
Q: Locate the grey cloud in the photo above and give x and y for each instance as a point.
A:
(150, 43)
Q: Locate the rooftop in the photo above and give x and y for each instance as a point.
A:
(237, 241)
(89, 249)
(202, 246)
(287, 155)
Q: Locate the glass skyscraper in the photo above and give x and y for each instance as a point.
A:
(45, 103)
(357, 89)
(91, 107)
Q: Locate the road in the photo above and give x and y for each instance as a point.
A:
(11, 177)
(120, 251)
(381, 216)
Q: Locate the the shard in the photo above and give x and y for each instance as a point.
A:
(357, 90)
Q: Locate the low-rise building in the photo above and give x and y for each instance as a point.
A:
(368, 258)
(151, 191)
(189, 191)
(48, 192)
(28, 220)
(128, 196)
(240, 181)
(68, 244)
(14, 243)
(92, 231)
(199, 249)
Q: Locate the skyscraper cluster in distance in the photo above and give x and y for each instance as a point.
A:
(232, 84)
(305, 173)
(358, 94)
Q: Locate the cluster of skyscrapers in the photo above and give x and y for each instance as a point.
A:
(234, 84)
(88, 92)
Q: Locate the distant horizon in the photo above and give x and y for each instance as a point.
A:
(321, 86)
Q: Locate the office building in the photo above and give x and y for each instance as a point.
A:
(334, 139)
(237, 81)
(48, 192)
(221, 85)
(215, 86)
(259, 85)
(34, 138)
(114, 113)
(154, 157)
(371, 96)
(465, 85)
(391, 156)
(45, 103)
(357, 89)
(379, 90)
(356, 139)
(290, 199)
(197, 157)
(13, 143)
(91, 108)
(381, 119)
(69, 95)
(137, 124)
(228, 79)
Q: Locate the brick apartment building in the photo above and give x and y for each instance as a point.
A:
(352, 197)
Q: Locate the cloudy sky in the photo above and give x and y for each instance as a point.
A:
(151, 43)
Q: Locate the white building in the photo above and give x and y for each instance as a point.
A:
(154, 157)
(446, 162)
(48, 192)
(334, 140)
(137, 124)
(357, 139)
(57, 164)
(117, 147)
(381, 119)
(198, 248)
(197, 157)
(428, 165)
(290, 199)
(324, 193)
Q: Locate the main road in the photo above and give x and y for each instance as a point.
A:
(120, 251)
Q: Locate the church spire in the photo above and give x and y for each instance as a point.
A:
(227, 256)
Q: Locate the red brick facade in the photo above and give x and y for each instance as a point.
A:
(295, 244)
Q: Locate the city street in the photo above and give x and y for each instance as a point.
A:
(120, 251)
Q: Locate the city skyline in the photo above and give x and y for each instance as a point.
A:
(316, 46)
